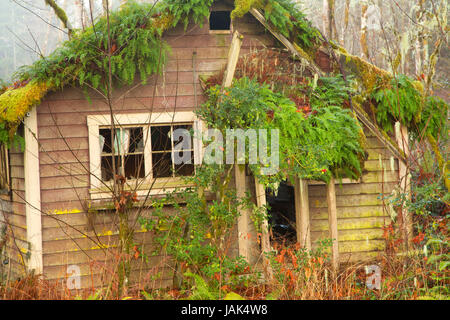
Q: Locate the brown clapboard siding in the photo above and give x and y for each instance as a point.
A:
(65, 198)
(360, 206)
(56, 158)
(14, 211)
(64, 169)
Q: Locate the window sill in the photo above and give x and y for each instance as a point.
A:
(153, 188)
(344, 181)
(219, 31)
(106, 203)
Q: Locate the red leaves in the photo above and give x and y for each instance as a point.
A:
(113, 48)
(302, 103)
(126, 198)
(137, 253)
(421, 77)
(419, 238)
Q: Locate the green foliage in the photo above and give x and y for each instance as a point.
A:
(5, 138)
(401, 101)
(241, 7)
(183, 10)
(135, 47)
(201, 289)
(311, 146)
(434, 118)
(287, 18)
(429, 208)
(197, 234)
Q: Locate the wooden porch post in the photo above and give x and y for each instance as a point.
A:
(265, 238)
(244, 217)
(401, 135)
(332, 221)
(302, 213)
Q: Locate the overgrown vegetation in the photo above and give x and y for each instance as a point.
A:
(403, 102)
(198, 235)
(319, 136)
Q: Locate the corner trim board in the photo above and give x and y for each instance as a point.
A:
(33, 193)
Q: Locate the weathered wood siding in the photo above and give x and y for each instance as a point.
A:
(73, 237)
(13, 207)
(360, 206)
(68, 237)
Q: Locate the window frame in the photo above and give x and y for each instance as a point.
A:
(214, 31)
(99, 188)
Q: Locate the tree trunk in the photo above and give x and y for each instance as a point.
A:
(363, 39)
(329, 24)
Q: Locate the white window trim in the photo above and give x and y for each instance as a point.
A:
(344, 181)
(160, 185)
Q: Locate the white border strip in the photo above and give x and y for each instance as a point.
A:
(33, 192)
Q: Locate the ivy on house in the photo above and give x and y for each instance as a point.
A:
(314, 144)
(135, 48)
(402, 101)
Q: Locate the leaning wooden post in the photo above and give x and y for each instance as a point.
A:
(302, 213)
(233, 57)
(260, 191)
(244, 217)
(332, 222)
(401, 135)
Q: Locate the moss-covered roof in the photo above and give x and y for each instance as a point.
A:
(137, 48)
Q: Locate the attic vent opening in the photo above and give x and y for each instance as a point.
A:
(220, 20)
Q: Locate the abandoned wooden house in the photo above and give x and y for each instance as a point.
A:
(55, 199)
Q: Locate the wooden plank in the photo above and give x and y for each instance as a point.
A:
(65, 182)
(354, 189)
(260, 193)
(60, 195)
(302, 213)
(233, 57)
(349, 212)
(57, 158)
(332, 220)
(244, 217)
(351, 235)
(61, 145)
(359, 200)
(16, 159)
(401, 135)
(351, 223)
(379, 165)
(311, 65)
(67, 131)
(239, 172)
(64, 169)
(379, 133)
(351, 257)
(32, 192)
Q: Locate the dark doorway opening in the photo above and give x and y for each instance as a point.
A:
(220, 20)
(282, 214)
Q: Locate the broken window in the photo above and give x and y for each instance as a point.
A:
(130, 158)
(128, 153)
(220, 20)
(165, 151)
